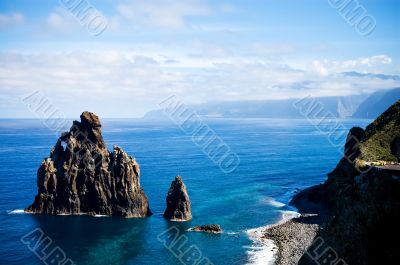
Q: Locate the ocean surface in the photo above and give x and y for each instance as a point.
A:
(276, 158)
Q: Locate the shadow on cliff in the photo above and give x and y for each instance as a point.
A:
(362, 199)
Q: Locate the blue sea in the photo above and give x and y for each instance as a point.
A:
(276, 158)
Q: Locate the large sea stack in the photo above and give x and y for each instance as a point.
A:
(178, 203)
(82, 177)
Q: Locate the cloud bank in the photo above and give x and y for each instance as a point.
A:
(128, 84)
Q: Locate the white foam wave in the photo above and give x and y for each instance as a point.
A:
(100, 215)
(17, 211)
(271, 201)
(83, 214)
(287, 215)
(264, 251)
(22, 211)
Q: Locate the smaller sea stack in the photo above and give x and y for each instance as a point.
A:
(178, 203)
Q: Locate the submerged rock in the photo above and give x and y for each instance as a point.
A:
(213, 228)
(82, 177)
(178, 203)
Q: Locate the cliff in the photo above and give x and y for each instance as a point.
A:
(362, 195)
(82, 177)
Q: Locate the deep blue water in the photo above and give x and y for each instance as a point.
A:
(277, 156)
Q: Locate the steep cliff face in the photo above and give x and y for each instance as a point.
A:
(178, 203)
(363, 225)
(82, 176)
(363, 200)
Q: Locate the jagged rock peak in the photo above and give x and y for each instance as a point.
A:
(90, 120)
(178, 203)
(82, 176)
(88, 130)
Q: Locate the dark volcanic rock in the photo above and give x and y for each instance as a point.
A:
(207, 228)
(353, 141)
(395, 148)
(178, 203)
(310, 200)
(363, 201)
(82, 176)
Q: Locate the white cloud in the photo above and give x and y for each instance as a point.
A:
(108, 82)
(128, 84)
(60, 21)
(56, 21)
(320, 67)
(368, 61)
(367, 64)
(161, 13)
(13, 19)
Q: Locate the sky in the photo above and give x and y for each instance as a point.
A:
(121, 58)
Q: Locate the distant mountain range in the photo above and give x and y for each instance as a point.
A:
(377, 103)
(357, 106)
(379, 76)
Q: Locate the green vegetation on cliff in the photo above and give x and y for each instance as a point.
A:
(381, 136)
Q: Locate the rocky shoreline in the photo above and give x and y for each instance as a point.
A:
(355, 212)
(293, 237)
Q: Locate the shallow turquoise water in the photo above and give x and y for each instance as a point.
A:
(277, 156)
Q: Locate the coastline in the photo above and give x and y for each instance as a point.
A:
(293, 237)
(285, 242)
(265, 250)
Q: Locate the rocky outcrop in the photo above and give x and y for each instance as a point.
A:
(213, 228)
(82, 177)
(178, 203)
(395, 148)
(363, 200)
(352, 145)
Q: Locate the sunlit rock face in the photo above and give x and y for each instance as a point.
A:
(82, 177)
